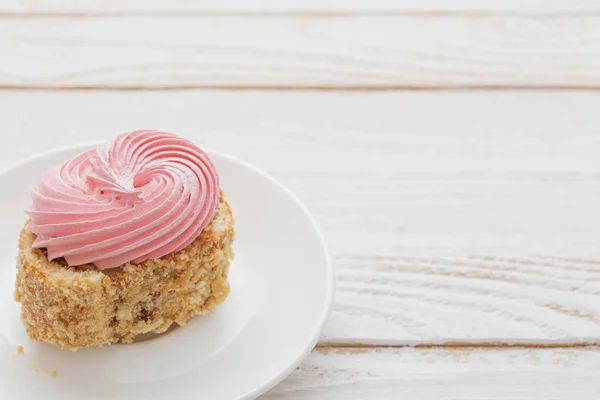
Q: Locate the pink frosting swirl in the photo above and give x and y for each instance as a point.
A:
(144, 195)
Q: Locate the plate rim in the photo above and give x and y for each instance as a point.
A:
(329, 273)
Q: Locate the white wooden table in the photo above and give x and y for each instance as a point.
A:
(449, 149)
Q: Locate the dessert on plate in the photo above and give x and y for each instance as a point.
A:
(124, 240)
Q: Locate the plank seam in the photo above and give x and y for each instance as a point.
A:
(457, 345)
(304, 14)
(398, 88)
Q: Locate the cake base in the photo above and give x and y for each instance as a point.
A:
(75, 307)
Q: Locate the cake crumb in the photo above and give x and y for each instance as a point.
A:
(20, 350)
(52, 373)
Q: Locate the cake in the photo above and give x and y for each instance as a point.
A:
(124, 240)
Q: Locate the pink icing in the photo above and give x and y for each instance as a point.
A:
(142, 196)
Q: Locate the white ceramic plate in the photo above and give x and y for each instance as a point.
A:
(281, 294)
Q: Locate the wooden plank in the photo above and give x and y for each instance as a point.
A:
(452, 217)
(284, 6)
(500, 374)
(300, 52)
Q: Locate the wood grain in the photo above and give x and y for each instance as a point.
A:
(464, 217)
(286, 6)
(352, 52)
(549, 374)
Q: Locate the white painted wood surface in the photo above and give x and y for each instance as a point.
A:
(295, 6)
(376, 52)
(423, 374)
(445, 224)
(454, 216)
